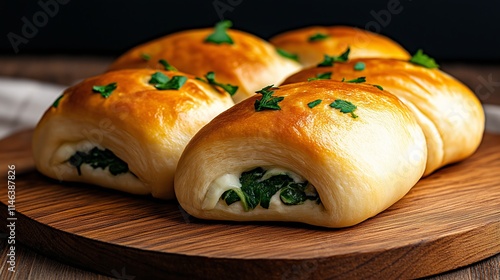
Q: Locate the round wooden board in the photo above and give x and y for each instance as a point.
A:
(449, 219)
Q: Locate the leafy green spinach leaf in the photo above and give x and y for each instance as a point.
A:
(254, 191)
(98, 158)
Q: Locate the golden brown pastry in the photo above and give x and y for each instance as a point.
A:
(125, 130)
(248, 62)
(322, 152)
(312, 43)
(449, 113)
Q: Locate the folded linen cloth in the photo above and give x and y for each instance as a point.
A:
(492, 113)
(23, 102)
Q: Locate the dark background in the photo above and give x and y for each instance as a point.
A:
(448, 30)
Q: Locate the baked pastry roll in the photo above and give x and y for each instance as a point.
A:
(310, 44)
(449, 113)
(125, 130)
(323, 153)
(237, 58)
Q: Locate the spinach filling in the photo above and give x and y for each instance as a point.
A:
(98, 158)
(254, 191)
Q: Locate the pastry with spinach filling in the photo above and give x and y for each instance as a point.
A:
(125, 129)
(238, 58)
(320, 152)
(312, 44)
(449, 113)
(258, 186)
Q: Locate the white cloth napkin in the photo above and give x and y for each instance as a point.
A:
(23, 102)
(492, 113)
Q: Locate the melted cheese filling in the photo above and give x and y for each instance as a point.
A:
(232, 181)
(66, 151)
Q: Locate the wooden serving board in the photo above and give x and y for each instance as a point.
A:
(449, 219)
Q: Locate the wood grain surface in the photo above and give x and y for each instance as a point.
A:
(448, 220)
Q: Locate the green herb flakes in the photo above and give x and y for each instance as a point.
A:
(344, 107)
(163, 82)
(318, 37)
(314, 103)
(145, 56)
(56, 102)
(379, 87)
(106, 90)
(321, 76)
(175, 83)
(167, 66)
(210, 79)
(327, 61)
(220, 36)
(356, 81)
(288, 55)
(419, 58)
(359, 66)
(330, 60)
(158, 78)
(267, 102)
(344, 56)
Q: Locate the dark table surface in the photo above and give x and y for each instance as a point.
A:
(484, 80)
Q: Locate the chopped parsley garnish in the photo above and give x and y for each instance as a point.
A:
(314, 103)
(327, 61)
(359, 66)
(344, 107)
(355, 81)
(330, 60)
(318, 37)
(56, 102)
(175, 83)
(344, 56)
(158, 78)
(167, 66)
(379, 87)
(219, 36)
(145, 56)
(106, 90)
(267, 101)
(321, 76)
(419, 58)
(210, 79)
(98, 158)
(163, 82)
(254, 191)
(288, 55)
